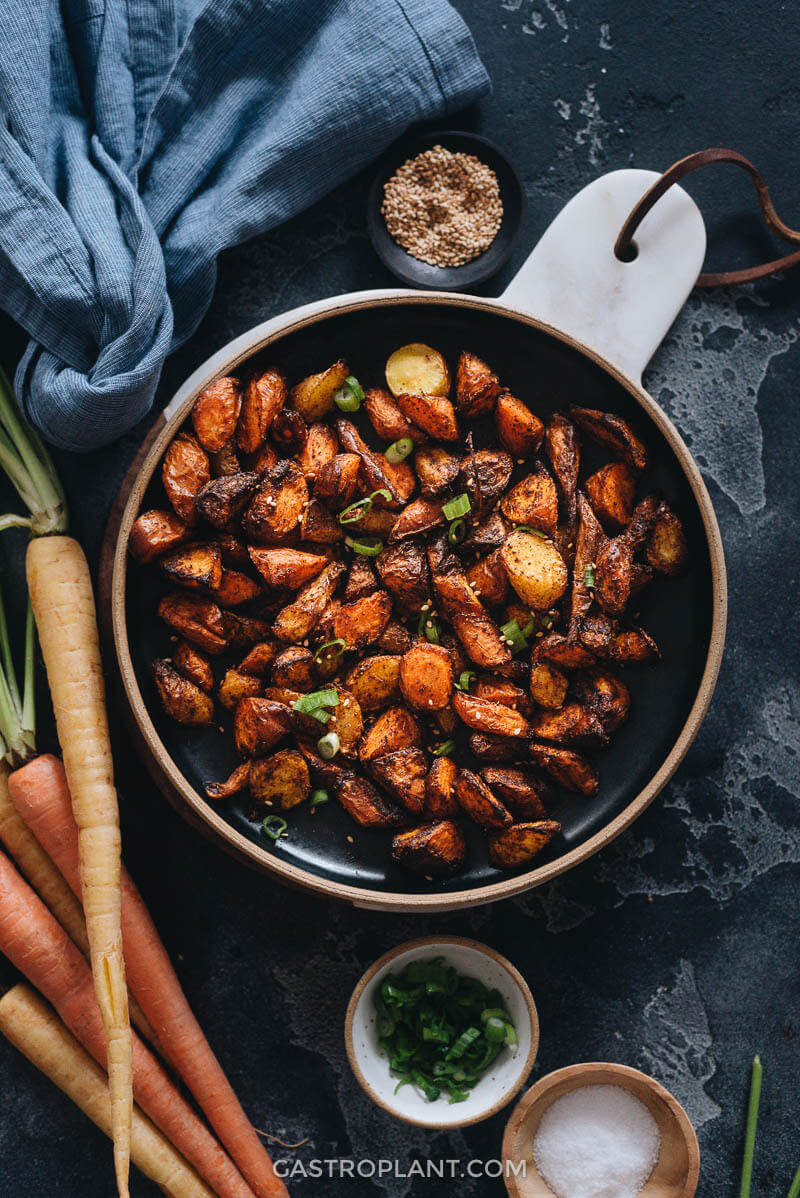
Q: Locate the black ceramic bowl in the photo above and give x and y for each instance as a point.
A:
(447, 278)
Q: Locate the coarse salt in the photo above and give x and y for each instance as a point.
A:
(596, 1142)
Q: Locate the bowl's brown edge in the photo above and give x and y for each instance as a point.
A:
(170, 778)
(442, 941)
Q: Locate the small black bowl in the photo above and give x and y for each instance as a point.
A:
(447, 278)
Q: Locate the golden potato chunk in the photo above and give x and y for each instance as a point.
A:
(362, 623)
(666, 550)
(477, 387)
(365, 803)
(396, 638)
(346, 721)
(519, 844)
(435, 849)
(279, 782)
(416, 368)
(236, 686)
(154, 533)
(548, 685)
(276, 508)
(440, 795)
(198, 620)
(291, 568)
(185, 470)
(520, 431)
(437, 469)
(535, 568)
(313, 397)
(294, 667)
(435, 416)
(493, 718)
(198, 567)
(264, 396)
(222, 500)
(375, 681)
(215, 413)
(396, 729)
(181, 699)
(533, 501)
(480, 804)
(402, 773)
(426, 677)
(611, 491)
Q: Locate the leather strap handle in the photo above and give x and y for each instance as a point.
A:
(625, 250)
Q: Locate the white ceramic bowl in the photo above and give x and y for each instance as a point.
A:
(497, 1086)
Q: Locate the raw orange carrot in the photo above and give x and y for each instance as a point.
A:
(63, 605)
(39, 947)
(32, 1027)
(40, 793)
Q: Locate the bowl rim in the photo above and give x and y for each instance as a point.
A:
(442, 941)
(585, 1069)
(199, 810)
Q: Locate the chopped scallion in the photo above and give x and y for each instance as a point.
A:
(366, 546)
(536, 532)
(444, 749)
(328, 745)
(308, 704)
(274, 826)
(457, 532)
(588, 576)
(460, 506)
(514, 636)
(318, 797)
(354, 511)
(464, 679)
(336, 647)
(398, 451)
(350, 396)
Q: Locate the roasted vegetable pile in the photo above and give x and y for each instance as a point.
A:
(425, 631)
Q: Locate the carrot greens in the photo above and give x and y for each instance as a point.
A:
(29, 468)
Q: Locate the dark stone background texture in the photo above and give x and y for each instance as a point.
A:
(675, 949)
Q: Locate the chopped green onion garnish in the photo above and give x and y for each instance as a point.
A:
(547, 621)
(457, 532)
(309, 703)
(384, 493)
(460, 506)
(367, 546)
(318, 797)
(588, 576)
(349, 397)
(398, 451)
(428, 626)
(514, 636)
(319, 713)
(337, 648)
(328, 745)
(537, 532)
(444, 749)
(495, 1030)
(274, 826)
(464, 679)
(354, 511)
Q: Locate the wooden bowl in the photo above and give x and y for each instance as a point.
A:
(500, 1082)
(678, 1167)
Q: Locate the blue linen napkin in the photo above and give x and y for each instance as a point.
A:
(141, 139)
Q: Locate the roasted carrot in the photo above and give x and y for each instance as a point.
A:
(40, 793)
(39, 947)
(63, 605)
(32, 1027)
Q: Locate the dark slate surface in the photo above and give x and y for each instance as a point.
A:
(675, 949)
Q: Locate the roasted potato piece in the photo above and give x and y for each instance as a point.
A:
(493, 748)
(666, 550)
(238, 781)
(396, 729)
(313, 397)
(435, 416)
(488, 579)
(361, 579)
(395, 638)
(362, 623)
(484, 475)
(488, 534)
(198, 567)
(259, 659)
(573, 724)
(185, 470)
(611, 491)
(243, 631)
(260, 724)
(198, 620)
(435, 849)
(325, 773)
(526, 794)
(378, 474)
(519, 844)
(279, 782)
(215, 413)
(295, 622)
(294, 667)
(563, 652)
(440, 795)
(605, 695)
(614, 568)
(613, 432)
(236, 589)
(416, 368)
(347, 722)
(426, 677)
(477, 387)
(221, 500)
(588, 543)
(563, 451)
(236, 686)
(446, 720)
(548, 685)
(319, 526)
(420, 516)
(501, 690)
(365, 803)
(264, 396)
(262, 460)
(291, 568)
(519, 430)
(595, 633)
(275, 509)
(479, 803)
(533, 501)
(633, 646)
(289, 432)
(377, 522)
(535, 568)
(471, 623)
(437, 469)
(338, 482)
(320, 447)
(181, 699)
(568, 768)
(375, 681)
(154, 533)
(493, 718)
(225, 461)
(386, 418)
(402, 773)
(194, 665)
(234, 552)
(403, 569)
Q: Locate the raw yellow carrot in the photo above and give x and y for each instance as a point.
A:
(63, 604)
(33, 1027)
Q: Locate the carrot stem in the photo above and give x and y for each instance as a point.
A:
(752, 1124)
(29, 467)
